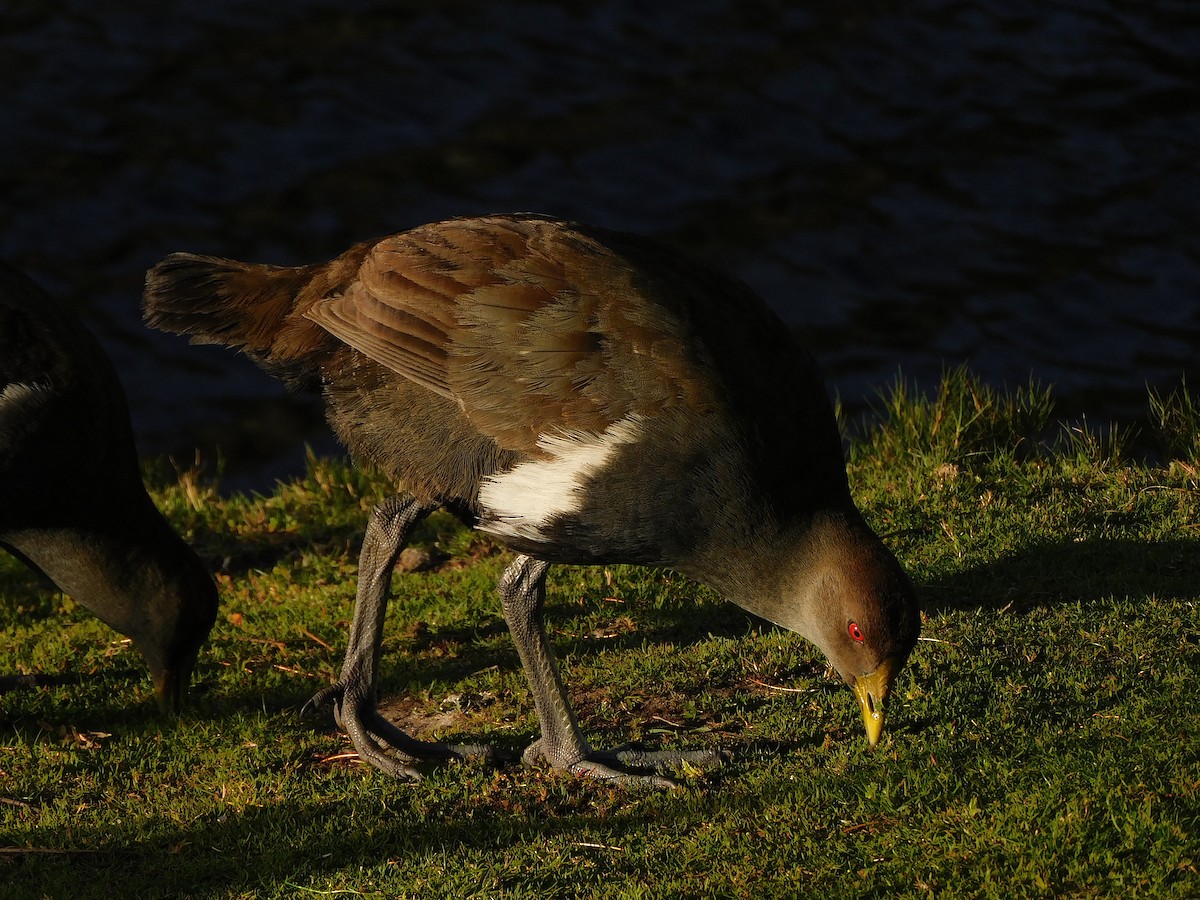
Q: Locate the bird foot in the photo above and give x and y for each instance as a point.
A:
(628, 766)
(382, 744)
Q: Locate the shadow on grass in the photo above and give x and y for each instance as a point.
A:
(240, 853)
(19, 581)
(1052, 573)
(38, 680)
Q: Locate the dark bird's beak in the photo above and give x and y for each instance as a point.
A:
(169, 687)
(870, 691)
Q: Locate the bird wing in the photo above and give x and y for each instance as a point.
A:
(46, 355)
(28, 351)
(399, 310)
(31, 361)
(530, 326)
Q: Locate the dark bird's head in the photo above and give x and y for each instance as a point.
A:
(139, 577)
(176, 607)
(168, 607)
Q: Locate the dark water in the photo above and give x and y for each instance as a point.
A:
(1013, 184)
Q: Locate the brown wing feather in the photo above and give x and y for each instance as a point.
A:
(517, 319)
(398, 310)
(393, 337)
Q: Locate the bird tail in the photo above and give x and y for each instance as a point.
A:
(247, 306)
(222, 301)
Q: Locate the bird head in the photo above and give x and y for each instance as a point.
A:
(177, 610)
(868, 618)
(846, 592)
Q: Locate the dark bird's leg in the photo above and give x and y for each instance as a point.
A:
(523, 593)
(353, 694)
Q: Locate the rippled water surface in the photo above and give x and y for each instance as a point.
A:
(1011, 184)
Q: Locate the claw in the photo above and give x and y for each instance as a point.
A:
(321, 697)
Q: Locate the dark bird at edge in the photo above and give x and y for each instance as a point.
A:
(584, 397)
(72, 502)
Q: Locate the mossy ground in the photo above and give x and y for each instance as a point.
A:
(1042, 742)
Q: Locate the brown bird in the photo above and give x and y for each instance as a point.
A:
(72, 502)
(584, 397)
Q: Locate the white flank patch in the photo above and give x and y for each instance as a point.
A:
(16, 393)
(522, 502)
(16, 401)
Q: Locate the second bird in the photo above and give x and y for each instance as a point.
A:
(584, 397)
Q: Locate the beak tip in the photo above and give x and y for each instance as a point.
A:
(169, 693)
(870, 690)
(874, 726)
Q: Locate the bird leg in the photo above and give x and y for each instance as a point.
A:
(354, 693)
(561, 744)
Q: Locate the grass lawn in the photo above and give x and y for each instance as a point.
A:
(1041, 742)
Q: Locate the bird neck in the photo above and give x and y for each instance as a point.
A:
(781, 573)
(139, 579)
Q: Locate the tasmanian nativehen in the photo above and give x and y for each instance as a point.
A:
(584, 397)
(72, 502)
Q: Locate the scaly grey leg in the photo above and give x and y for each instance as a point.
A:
(354, 693)
(561, 744)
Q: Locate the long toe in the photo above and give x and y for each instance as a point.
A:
(637, 768)
(383, 745)
(663, 760)
(619, 775)
(399, 755)
(375, 754)
(474, 752)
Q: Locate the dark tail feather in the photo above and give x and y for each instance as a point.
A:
(222, 301)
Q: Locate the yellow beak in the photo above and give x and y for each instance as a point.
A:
(871, 691)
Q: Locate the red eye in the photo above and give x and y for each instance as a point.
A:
(856, 632)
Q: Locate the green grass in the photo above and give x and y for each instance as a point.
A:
(1042, 742)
